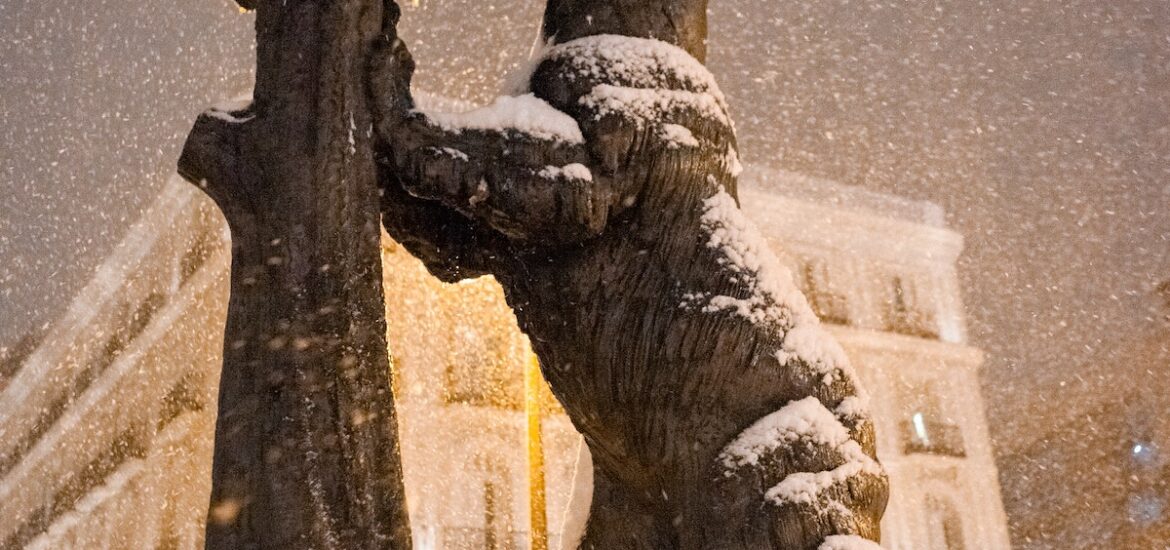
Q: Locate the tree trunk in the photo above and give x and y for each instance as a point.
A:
(718, 413)
(306, 451)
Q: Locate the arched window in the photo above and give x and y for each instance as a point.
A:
(908, 312)
(497, 511)
(489, 523)
(483, 368)
(830, 306)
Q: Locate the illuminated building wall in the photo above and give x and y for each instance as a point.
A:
(106, 425)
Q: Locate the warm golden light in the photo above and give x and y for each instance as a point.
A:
(533, 397)
(483, 361)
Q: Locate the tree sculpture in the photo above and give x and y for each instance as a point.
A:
(719, 414)
(306, 451)
(717, 411)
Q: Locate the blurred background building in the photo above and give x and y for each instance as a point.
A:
(106, 426)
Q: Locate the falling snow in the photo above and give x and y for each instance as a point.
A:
(1041, 128)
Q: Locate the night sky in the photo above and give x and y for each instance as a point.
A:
(96, 99)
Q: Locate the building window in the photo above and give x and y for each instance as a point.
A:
(485, 367)
(46, 418)
(493, 529)
(908, 313)
(830, 306)
(125, 447)
(497, 517)
(145, 313)
(127, 330)
(946, 525)
(924, 435)
(1144, 453)
(927, 431)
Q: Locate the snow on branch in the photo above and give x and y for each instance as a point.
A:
(525, 114)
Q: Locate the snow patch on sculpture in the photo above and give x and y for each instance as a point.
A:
(643, 79)
(806, 419)
(526, 114)
(806, 487)
(645, 105)
(731, 162)
(454, 153)
(227, 110)
(773, 299)
(677, 135)
(813, 345)
(573, 171)
(636, 62)
(848, 542)
(854, 407)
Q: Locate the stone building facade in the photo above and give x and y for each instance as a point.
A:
(106, 416)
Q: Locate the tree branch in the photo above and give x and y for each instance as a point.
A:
(680, 22)
(306, 450)
(211, 158)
